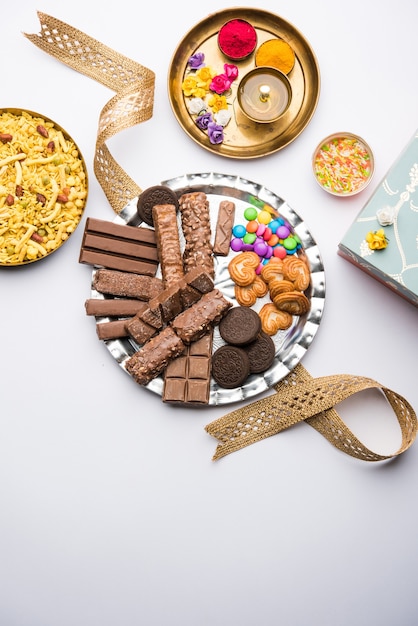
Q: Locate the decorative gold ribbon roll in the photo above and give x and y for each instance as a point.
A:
(299, 397)
(133, 103)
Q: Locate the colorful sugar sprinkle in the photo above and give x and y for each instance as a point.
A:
(343, 165)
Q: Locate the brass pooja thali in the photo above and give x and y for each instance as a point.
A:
(243, 138)
(291, 344)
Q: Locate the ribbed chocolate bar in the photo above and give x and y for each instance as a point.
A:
(119, 246)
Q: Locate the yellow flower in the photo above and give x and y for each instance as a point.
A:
(377, 240)
(217, 103)
(189, 85)
(204, 77)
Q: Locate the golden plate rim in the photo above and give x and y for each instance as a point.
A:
(279, 134)
(18, 111)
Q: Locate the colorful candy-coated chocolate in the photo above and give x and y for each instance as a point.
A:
(249, 237)
(239, 230)
(236, 244)
(250, 214)
(279, 251)
(290, 243)
(267, 234)
(261, 247)
(283, 232)
(264, 217)
(252, 226)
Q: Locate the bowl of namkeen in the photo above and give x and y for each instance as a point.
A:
(43, 187)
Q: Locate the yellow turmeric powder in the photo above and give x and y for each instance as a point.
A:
(275, 53)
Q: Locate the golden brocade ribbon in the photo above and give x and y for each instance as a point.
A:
(300, 397)
(133, 103)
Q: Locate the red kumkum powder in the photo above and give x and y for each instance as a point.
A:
(237, 39)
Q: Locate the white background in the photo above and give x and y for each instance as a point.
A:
(111, 509)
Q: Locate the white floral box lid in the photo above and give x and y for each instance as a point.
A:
(383, 240)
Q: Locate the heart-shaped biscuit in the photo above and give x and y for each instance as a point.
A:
(273, 320)
(242, 268)
(293, 302)
(296, 270)
(272, 269)
(247, 296)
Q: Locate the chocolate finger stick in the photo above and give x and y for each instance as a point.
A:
(224, 225)
(168, 243)
(195, 219)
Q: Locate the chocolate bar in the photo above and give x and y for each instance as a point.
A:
(126, 284)
(224, 225)
(111, 330)
(195, 220)
(195, 321)
(139, 330)
(148, 362)
(119, 247)
(187, 377)
(168, 304)
(168, 243)
(113, 307)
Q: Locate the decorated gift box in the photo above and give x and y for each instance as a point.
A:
(383, 240)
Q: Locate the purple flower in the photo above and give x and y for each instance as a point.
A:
(196, 61)
(215, 133)
(203, 121)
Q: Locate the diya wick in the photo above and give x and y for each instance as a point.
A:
(264, 94)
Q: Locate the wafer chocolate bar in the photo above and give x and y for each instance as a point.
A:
(168, 243)
(187, 377)
(195, 220)
(119, 247)
(126, 284)
(224, 225)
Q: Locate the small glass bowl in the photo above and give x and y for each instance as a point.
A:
(343, 164)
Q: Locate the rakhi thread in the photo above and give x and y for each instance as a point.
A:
(133, 103)
(299, 397)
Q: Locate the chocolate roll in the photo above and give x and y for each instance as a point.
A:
(168, 243)
(148, 362)
(195, 321)
(195, 220)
